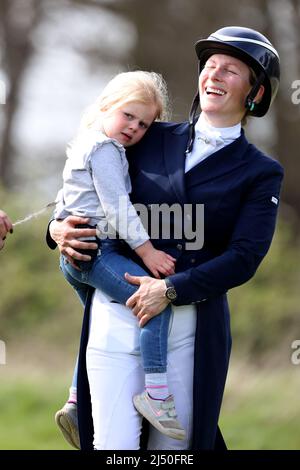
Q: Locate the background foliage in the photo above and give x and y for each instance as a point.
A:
(55, 58)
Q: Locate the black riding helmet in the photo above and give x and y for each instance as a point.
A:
(253, 49)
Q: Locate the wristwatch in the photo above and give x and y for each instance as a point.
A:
(170, 293)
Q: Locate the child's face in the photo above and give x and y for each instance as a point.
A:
(128, 124)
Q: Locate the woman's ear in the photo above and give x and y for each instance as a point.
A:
(259, 94)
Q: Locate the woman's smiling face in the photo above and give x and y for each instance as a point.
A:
(224, 85)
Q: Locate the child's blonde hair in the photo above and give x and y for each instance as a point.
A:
(127, 87)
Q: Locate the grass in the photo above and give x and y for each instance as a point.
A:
(261, 409)
(27, 409)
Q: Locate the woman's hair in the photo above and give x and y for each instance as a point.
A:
(128, 87)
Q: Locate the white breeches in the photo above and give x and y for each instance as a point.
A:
(115, 375)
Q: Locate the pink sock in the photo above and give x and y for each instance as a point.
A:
(73, 395)
(156, 385)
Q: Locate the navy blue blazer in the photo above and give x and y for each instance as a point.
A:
(239, 187)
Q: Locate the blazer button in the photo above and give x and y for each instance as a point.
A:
(193, 260)
(179, 246)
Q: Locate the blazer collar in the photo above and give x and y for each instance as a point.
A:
(220, 162)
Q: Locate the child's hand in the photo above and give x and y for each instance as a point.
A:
(159, 262)
(156, 260)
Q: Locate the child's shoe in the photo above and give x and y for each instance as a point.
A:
(66, 420)
(161, 414)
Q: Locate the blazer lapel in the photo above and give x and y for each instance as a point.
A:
(220, 162)
(174, 156)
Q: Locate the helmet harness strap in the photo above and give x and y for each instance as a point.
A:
(192, 117)
(250, 103)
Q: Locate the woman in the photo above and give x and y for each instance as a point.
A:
(206, 162)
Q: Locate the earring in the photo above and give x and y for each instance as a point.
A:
(252, 106)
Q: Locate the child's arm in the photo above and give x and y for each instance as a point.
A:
(157, 261)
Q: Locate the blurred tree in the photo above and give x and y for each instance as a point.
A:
(17, 19)
(285, 19)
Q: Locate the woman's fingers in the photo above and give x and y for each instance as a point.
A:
(82, 233)
(83, 245)
(71, 261)
(78, 256)
(145, 318)
(136, 280)
(76, 220)
(156, 273)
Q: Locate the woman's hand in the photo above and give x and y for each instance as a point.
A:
(5, 227)
(67, 237)
(149, 300)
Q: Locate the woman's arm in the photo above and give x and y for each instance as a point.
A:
(249, 243)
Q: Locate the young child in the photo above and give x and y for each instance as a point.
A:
(96, 185)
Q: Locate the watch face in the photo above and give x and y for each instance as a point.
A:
(171, 293)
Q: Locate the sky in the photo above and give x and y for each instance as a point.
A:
(60, 83)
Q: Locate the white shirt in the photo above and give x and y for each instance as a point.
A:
(208, 140)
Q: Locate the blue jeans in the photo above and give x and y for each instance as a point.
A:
(106, 273)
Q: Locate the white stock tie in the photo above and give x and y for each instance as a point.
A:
(209, 137)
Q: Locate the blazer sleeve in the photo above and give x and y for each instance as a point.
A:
(49, 240)
(249, 243)
(59, 202)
